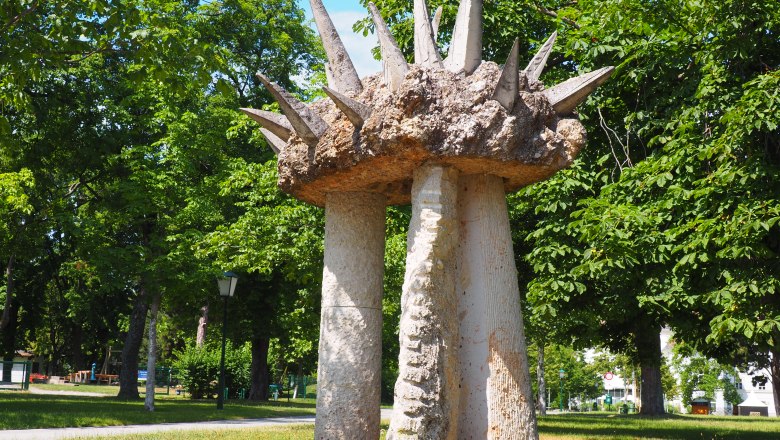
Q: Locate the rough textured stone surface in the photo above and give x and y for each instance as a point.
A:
(495, 392)
(426, 393)
(350, 349)
(435, 116)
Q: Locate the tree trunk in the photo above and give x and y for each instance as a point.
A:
(128, 376)
(540, 380)
(78, 361)
(350, 346)
(151, 360)
(9, 339)
(9, 293)
(258, 371)
(203, 323)
(495, 402)
(774, 371)
(8, 322)
(427, 389)
(648, 346)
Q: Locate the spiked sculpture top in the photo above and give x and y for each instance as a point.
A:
(473, 115)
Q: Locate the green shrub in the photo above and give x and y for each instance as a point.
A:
(198, 368)
(237, 363)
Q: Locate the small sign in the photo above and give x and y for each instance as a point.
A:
(142, 375)
(608, 375)
(608, 400)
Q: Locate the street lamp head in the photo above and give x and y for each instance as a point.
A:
(227, 284)
(562, 373)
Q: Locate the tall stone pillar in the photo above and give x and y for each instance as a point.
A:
(350, 349)
(385, 135)
(426, 393)
(496, 399)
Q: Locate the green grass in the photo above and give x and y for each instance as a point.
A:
(21, 410)
(25, 411)
(563, 427)
(109, 390)
(684, 427)
(290, 432)
(559, 427)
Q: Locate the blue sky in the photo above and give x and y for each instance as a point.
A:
(344, 14)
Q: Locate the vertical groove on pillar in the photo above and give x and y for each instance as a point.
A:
(350, 350)
(426, 393)
(500, 404)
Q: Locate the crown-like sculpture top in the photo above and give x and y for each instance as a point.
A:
(473, 115)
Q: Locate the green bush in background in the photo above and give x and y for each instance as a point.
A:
(198, 368)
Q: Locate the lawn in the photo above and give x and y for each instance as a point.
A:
(24, 410)
(610, 426)
(291, 432)
(108, 390)
(564, 427)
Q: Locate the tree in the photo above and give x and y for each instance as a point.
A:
(581, 380)
(679, 200)
(699, 374)
(125, 113)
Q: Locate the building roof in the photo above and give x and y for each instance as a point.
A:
(752, 401)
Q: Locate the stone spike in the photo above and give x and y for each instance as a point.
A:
(536, 66)
(305, 122)
(565, 96)
(436, 21)
(466, 45)
(507, 89)
(346, 79)
(395, 66)
(426, 52)
(355, 111)
(274, 141)
(273, 122)
(330, 78)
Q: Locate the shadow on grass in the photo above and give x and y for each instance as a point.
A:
(664, 427)
(26, 411)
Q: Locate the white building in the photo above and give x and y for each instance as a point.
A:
(758, 392)
(626, 390)
(19, 368)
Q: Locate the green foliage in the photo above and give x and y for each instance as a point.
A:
(582, 380)
(669, 217)
(395, 259)
(122, 150)
(198, 368)
(699, 374)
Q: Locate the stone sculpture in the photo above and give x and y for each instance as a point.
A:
(451, 136)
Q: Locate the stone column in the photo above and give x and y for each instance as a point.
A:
(495, 402)
(426, 393)
(350, 350)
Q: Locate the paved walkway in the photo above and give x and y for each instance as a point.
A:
(65, 433)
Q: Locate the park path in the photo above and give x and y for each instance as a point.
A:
(66, 433)
(34, 390)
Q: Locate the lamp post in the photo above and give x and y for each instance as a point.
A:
(227, 285)
(561, 375)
